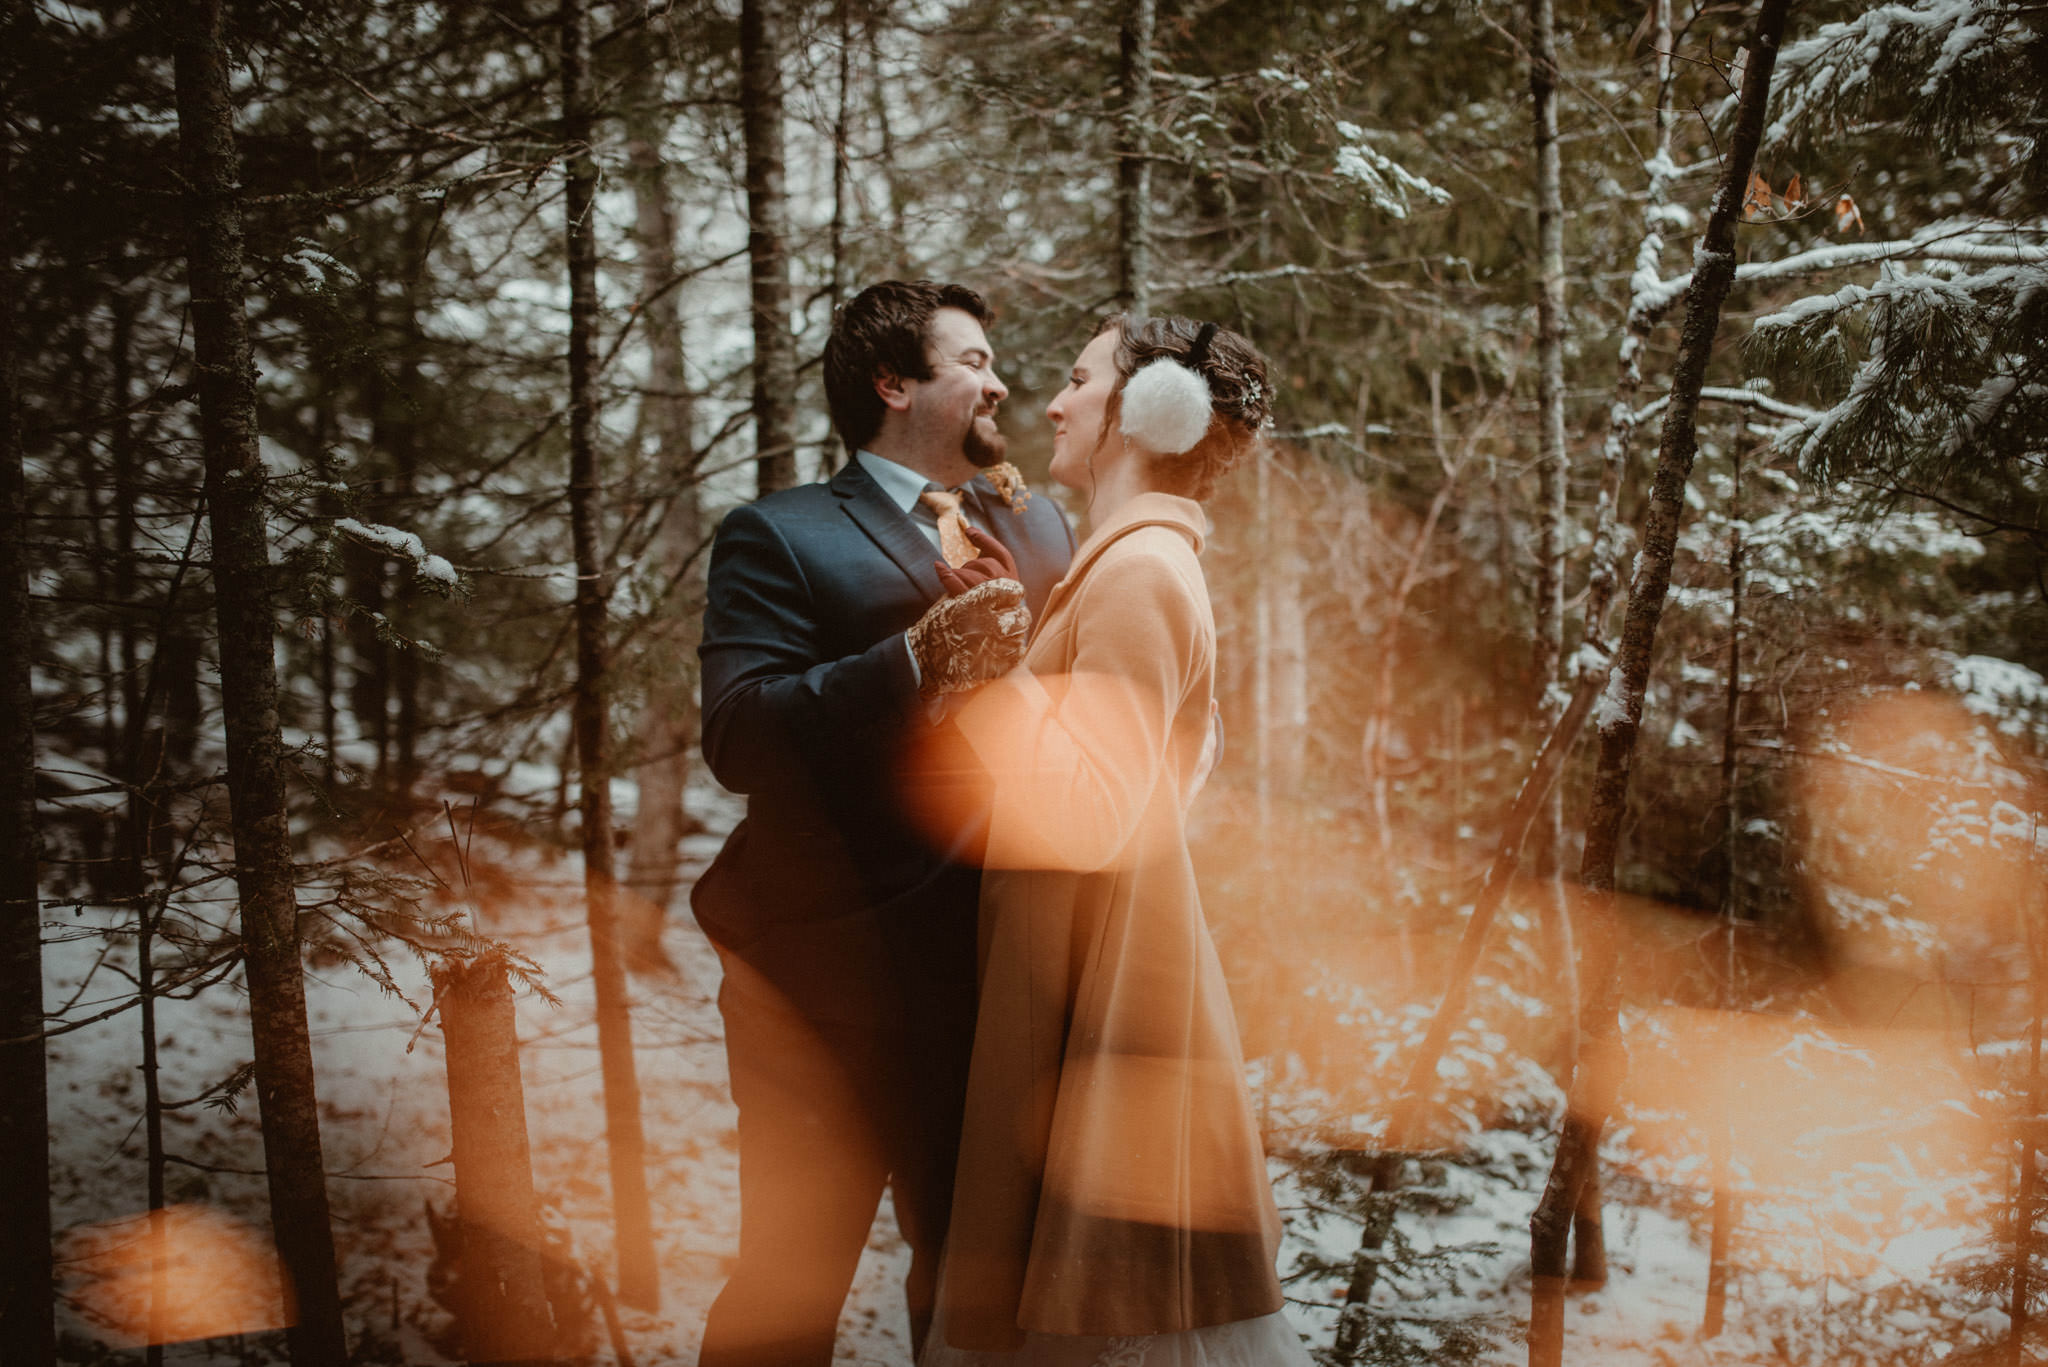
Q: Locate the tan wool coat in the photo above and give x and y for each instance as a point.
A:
(1111, 1177)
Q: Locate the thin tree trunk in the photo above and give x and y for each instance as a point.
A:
(1288, 570)
(1380, 720)
(1721, 1140)
(27, 1298)
(761, 114)
(668, 718)
(1552, 472)
(369, 692)
(152, 1129)
(1610, 539)
(405, 659)
(1715, 1315)
(2020, 1296)
(1262, 653)
(842, 135)
(264, 876)
(1731, 729)
(1133, 157)
(504, 1314)
(633, 1228)
(1603, 1059)
(1420, 1080)
(1553, 463)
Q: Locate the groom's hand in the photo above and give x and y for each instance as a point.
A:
(994, 562)
(962, 642)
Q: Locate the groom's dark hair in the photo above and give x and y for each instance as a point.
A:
(883, 330)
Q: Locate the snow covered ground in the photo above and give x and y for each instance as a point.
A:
(383, 1099)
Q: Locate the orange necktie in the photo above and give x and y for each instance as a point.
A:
(953, 542)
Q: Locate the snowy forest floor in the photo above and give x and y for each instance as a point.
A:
(384, 1107)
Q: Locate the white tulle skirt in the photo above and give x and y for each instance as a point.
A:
(1268, 1341)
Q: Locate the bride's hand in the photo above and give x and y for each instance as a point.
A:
(994, 562)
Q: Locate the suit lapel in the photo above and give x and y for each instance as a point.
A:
(887, 526)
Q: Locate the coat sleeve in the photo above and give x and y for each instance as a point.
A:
(1077, 761)
(773, 709)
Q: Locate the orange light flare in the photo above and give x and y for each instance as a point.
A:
(1917, 838)
(1921, 850)
(1871, 1130)
(1335, 943)
(189, 1273)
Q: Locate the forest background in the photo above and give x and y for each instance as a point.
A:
(1632, 641)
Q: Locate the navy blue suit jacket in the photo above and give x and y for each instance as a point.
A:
(809, 699)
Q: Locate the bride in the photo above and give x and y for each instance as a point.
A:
(1112, 1204)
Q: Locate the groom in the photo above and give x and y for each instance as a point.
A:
(848, 942)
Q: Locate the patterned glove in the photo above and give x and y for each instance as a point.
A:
(963, 642)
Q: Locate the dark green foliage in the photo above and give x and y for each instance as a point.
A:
(1423, 1311)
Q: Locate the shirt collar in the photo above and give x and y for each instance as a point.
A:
(901, 483)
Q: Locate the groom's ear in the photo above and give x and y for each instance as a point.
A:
(892, 390)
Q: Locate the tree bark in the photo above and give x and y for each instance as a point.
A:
(152, 1126)
(668, 718)
(501, 1293)
(833, 452)
(224, 375)
(761, 114)
(1610, 536)
(2019, 1301)
(639, 1283)
(1133, 163)
(1603, 1059)
(27, 1301)
(1553, 462)
(1420, 1079)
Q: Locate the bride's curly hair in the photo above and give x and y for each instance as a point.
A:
(1240, 394)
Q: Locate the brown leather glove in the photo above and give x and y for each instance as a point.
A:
(962, 642)
(994, 562)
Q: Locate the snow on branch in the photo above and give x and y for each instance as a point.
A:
(1746, 398)
(1945, 242)
(430, 568)
(1386, 183)
(1941, 42)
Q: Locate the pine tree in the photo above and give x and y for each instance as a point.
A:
(264, 873)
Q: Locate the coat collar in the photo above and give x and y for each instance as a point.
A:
(1148, 509)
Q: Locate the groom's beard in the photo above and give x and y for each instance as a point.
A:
(983, 445)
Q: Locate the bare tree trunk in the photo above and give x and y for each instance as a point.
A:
(668, 718)
(27, 1298)
(369, 690)
(1262, 652)
(1288, 571)
(1731, 728)
(405, 660)
(504, 1306)
(2019, 1303)
(1133, 164)
(1720, 1141)
(1553, 462)
(639, 1283)
(842, 134)
(1610, 539)
(152, 1127)
(1603, 1059)
(761, 112)
(1420, 1079)
(1717, 1241)
(264, 875)
(1553, 467)
(1380, 720)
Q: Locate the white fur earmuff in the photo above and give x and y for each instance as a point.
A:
(1166, 408)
